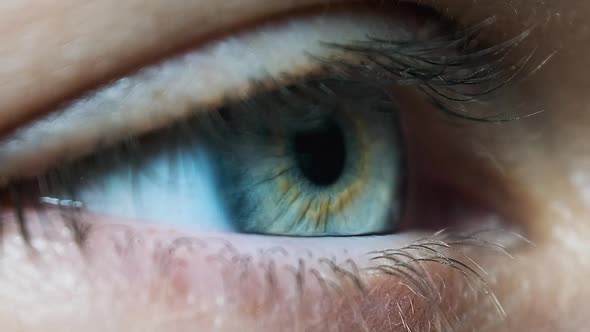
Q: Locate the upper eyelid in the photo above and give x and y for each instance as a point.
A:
(45, 129)
(149, 84)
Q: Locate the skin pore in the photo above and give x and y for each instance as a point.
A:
(54, 51)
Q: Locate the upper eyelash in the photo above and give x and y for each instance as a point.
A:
(449, 69)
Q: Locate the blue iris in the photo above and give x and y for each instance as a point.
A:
(315, 159)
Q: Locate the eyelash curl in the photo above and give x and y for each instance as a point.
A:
(451, 70)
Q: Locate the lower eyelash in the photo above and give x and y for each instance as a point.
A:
(448, 249)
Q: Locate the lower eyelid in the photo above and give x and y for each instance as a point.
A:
(216, 278)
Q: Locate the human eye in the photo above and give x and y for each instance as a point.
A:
(303, 168)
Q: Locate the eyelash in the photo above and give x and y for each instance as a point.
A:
(449, 70)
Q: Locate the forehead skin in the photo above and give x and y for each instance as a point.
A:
(52, 50)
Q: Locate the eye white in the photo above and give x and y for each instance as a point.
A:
(176, 185)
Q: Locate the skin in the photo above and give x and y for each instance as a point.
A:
(538, 166)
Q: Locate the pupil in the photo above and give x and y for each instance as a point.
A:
(320, 153)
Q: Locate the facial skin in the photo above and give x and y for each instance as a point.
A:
(53, 51)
